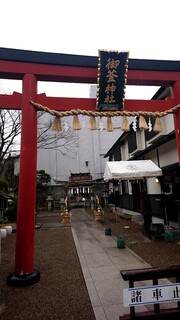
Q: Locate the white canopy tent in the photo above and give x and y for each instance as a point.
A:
(128, 170)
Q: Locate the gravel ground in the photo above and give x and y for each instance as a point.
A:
(61, 293)
(156, 253)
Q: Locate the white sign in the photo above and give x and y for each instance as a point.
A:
(151, 294)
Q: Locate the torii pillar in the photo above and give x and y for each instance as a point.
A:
(24, 263)
(176, 96)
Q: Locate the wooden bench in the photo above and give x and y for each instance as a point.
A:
(153, 274)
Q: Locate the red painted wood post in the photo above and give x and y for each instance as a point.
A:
(24, 257)
(176, 96)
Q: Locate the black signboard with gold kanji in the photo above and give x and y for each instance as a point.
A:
(112, 74)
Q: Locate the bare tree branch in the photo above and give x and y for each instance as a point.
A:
(63, 141)
(10, 130)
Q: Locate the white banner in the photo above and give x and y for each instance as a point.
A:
(151, 294)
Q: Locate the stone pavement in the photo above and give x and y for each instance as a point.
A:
(101, 263)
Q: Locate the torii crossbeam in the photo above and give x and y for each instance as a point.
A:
(31, 67)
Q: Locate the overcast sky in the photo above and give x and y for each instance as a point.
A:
(147, 29)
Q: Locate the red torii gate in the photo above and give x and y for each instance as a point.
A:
(31, 67)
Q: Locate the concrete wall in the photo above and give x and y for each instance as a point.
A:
(89, 148)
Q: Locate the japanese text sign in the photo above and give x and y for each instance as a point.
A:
(151, 294)
(112, 74)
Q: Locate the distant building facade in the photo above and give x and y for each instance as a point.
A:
(89, 149)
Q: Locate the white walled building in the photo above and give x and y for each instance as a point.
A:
(88, 150)
(161, 148)
(88, 153)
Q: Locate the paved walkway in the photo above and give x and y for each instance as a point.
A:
(101, 263)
